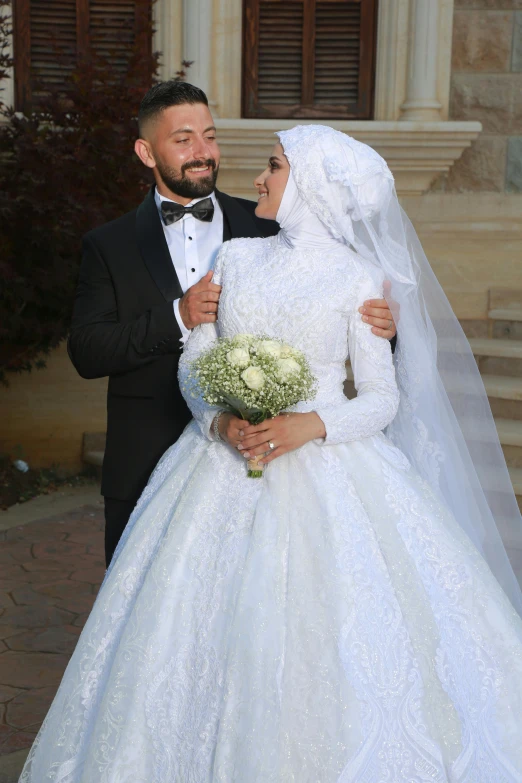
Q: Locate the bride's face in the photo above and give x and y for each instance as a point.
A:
(271, 184)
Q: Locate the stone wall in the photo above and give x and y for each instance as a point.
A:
(486, 85)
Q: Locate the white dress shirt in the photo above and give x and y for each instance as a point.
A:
(193, 245)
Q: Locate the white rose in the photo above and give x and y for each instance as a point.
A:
(287, 367)
(254, 378)
(240, 339)
(270, 348)
(238, 357)
(286, 350)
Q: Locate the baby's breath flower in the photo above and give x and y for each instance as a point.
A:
(278, 376)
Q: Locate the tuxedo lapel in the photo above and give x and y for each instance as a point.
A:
(237, 221)
(154, 250)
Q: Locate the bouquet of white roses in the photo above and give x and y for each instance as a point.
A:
(252, 377)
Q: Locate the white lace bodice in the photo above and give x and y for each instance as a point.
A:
(310, 299)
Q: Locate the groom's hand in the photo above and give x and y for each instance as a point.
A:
(377, 313)
(199, 305)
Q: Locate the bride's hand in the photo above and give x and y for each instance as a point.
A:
(231, 429)
(286, 432)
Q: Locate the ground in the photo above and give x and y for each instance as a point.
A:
(17, 486)
(51, 566)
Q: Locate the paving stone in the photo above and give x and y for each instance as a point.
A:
(5, 599)
(60, 639)
(53, 549)
(92, 575)
(514, 165)
(12, 552)
(32, 669)
(516, 57)
(482, 41)
(44, 565)
(81, 619)
(55, 588)
(87, 538)
(36, 532)
(5, 731)
(92, 560)
(76, 597)
(17, 740)
(28, 596)
(33, 617)
(7, 693)
(10, 572)
(3, 646)
(64, 589)
(6, 631)
(29, 708)
(43, 577)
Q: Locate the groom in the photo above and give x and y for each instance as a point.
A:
(145, 282)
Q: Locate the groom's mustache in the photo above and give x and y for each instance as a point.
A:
(194, 164)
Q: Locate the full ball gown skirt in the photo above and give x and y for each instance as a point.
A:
(330, 623)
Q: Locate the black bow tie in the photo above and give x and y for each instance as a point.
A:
(172, 212)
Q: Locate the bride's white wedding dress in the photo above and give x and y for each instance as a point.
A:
(330, 623)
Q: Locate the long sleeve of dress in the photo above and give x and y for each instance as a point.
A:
(200, 340)
(377, 398)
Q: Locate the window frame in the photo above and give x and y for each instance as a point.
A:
(23, 78)
(250, 108)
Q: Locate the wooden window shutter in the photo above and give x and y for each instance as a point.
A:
(51, 36)
(309, 58)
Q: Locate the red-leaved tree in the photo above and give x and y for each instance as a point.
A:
(65, 168)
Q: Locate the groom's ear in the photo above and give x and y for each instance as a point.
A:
(144, 152)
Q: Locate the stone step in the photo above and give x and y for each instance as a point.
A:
(94, 458)
(510, 436)
(502, 349)
(505, 299)
(503, 387)
(93, 451)
(505, 314)
(509, 432)
(498, 386)
(516, 480)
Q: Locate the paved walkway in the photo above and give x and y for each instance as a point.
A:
(50, 571)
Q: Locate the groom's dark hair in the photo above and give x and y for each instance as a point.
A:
(165, 94)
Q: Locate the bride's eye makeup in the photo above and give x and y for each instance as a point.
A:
(273, 163)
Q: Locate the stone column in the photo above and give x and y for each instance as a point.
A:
(422, 103)
(198, 46)
(168, 37)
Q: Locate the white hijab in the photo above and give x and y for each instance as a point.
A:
(300, 228)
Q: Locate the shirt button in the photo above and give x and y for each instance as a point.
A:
(192, 270)
(190, 238)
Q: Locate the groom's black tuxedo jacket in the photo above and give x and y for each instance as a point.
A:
(124, 326)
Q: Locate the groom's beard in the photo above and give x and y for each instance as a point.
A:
(184, 186)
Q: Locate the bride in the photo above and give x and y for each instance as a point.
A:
(340, 620)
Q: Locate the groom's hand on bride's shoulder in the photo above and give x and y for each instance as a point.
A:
(199, 305)
(378, 314)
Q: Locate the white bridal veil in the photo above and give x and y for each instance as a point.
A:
(444, 424)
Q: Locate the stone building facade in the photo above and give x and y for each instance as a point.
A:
(486, 85)
(447, 116)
